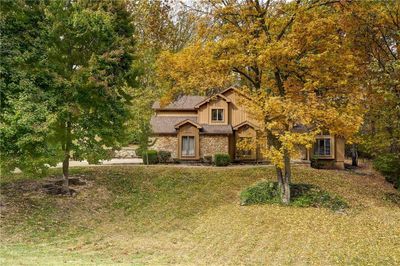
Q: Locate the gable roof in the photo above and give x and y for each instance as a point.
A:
(208, 99)
(245, 123)
(186, 122)
(185, 102)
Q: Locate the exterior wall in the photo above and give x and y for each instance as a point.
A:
(202, 114)
(166, 143)
(336, 160)
(126, 152)
(237, 111)
(212, 144)
(339, 152)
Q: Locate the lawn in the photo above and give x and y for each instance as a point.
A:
(191, 215)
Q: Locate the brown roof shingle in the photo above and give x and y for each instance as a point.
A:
(185, 102)
(166, 125)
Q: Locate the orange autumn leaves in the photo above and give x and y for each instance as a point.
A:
(294, 62)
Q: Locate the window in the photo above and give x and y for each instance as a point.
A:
(217, 115)
(188, 146)
(323, 147)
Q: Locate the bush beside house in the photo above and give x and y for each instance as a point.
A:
(164, 156)
(222, 159)
(150, 157)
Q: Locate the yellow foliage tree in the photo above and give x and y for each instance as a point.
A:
(292, 60)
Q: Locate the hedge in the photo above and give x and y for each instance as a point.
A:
(222, 159)
(150, 157)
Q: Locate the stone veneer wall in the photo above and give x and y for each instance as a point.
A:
(212, 144)
(166, 143)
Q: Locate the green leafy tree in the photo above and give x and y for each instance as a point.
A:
(76, 103)
(25, 107)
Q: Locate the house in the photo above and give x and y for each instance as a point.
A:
(197, 127)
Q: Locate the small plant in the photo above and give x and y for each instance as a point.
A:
(303, 195)
(222, 159)
(150, 157)
(263, 192)
(389, 166)
(315, 163)
(164, 156)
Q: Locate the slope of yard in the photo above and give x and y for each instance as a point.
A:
(182, 215)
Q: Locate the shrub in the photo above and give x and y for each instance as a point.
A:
(263, 192)
(389, 165)
(315, 163)
(302, 195)
(150, 157)
(222, 159)
(164, 156)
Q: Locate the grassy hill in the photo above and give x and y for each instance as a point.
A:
(190, 215)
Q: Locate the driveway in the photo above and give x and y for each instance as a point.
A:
(114, 161)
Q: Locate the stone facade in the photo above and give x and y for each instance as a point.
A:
(126, 152)
(166, 143)
(212, 144)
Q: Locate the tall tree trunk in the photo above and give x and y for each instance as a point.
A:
(279, 174)
(354, 155)
(67, 155)
(286, 178)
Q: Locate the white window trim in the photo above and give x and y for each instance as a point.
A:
(332, 147)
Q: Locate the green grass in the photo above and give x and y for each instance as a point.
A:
(182, 215)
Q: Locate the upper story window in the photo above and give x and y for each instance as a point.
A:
(217, 115)
(323, 147)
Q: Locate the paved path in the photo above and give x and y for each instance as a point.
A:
(108, 162)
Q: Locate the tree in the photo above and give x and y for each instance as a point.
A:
(375, 29)
(25, 116)
(81, 82)
(160, 26)
(293, 61)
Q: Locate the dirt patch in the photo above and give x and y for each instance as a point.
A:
(55, 186)
(16, 194)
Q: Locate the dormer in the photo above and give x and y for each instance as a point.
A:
(214, 110)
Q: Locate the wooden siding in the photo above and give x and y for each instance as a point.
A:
(339, 149)
(237, 112)
(204, 112)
